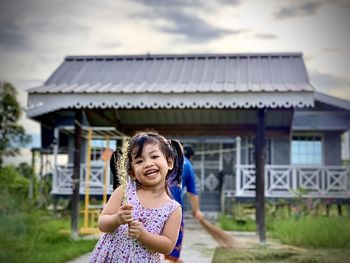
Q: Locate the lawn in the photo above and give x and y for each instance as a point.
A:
(36, 238)
(272, 255)
(308, 231)
(316, 239)
(313, 232)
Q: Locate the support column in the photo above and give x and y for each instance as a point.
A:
(238, 164)
(76, 174)
(55, 156)
(31, 182)
(260, 145)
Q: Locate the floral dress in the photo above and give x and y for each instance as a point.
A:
(119, 247)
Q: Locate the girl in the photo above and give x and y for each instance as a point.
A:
(145, 227)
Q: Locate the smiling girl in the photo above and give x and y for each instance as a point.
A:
(145, 227)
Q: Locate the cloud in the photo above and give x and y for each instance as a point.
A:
(193, 28)
(331, 50)
(174, 17)
(109, 44)
(328, 81)
(304, 9)
(265, 36)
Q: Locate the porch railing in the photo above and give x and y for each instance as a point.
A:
(62, 183)
(287, 180)
(280, 181)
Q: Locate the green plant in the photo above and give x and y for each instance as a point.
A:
(13, 191)
(229, 223)
(316, 232)
(37, 237)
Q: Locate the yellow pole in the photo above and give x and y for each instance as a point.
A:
(87, 179)
(105, 175)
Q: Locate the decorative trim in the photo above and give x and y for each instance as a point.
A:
(39, 104)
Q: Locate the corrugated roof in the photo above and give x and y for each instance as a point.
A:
(207, 81)
(340, 103)
(268, 72)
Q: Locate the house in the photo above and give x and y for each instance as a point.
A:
(211, 101)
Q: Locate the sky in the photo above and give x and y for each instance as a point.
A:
(36, 35)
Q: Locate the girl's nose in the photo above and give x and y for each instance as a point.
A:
(148, 163)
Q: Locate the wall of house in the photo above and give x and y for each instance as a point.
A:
(280, 151)
(345, 147)
(332, 148)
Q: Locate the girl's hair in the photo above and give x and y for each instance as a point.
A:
(170, 148)
(113, 167)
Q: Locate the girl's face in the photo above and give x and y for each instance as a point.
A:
(151, 168)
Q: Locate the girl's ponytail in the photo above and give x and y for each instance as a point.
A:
(175, 175)
(113, 165)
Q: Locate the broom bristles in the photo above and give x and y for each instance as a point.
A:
(219, 235)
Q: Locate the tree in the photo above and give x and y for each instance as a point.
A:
(12, 134)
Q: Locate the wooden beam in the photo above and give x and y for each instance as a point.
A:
(207, 129)
(76, 174)
(260, 146)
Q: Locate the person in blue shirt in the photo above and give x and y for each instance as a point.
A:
(188, 182)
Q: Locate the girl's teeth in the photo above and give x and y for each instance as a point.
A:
(150, 174)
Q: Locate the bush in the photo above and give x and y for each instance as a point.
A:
(37, 237)
(315, 232)
(13, 191)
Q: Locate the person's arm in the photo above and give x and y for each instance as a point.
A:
(196, 212)
(190, 183)
(163, 243)
(114, 214)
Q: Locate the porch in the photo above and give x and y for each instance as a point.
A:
(281, 181)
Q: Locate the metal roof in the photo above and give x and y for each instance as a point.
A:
(175, 81)
(336, 102)
(179, 73)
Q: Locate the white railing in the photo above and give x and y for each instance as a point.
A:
(287, 180)
(280, 181)
(63, 179)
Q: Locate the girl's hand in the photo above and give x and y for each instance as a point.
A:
(135, 229)
(125, 214)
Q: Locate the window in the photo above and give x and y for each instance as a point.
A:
(306, 150)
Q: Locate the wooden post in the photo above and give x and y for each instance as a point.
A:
(31, 182)
(260, 144)
(87, 179)
(238, 164)
(76, 175)
(106, 175)
(55, 161)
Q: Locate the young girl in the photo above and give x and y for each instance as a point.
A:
(145, 227)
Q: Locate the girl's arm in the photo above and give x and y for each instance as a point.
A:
(114, 215)
(163, 243)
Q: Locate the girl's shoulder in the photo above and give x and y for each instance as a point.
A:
(173, 205)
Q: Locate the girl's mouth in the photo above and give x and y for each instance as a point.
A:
(151, 173)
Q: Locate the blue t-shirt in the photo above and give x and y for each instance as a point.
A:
(188, 181)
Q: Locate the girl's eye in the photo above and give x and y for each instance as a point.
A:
(155, 156)
(138, 161)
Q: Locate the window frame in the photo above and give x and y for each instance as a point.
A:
(310, 135)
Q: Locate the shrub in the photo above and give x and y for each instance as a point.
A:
(316, 232)
(13, 191)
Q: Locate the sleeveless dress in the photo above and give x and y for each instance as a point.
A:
(119, 247)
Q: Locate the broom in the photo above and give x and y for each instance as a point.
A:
(219, 235)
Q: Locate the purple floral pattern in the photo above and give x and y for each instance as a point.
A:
(119, 247)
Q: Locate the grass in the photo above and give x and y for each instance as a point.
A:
(228, 223)
(308, 231)
(36, 238)
(269, 255)
(315, 232)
